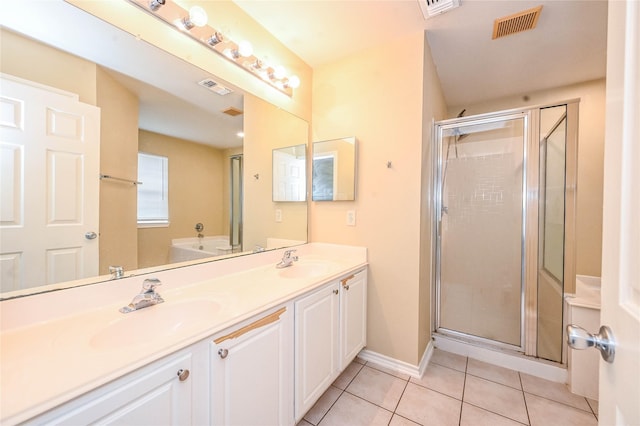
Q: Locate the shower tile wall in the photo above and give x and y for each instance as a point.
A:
(481, 246)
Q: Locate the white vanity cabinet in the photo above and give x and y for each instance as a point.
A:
(170, 391)
(330, 330)
(252, 371)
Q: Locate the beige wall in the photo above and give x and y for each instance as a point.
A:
(266, 128)
(31, 60)
(590, 160)
(349, 99)
(196, 177)
(232, 21)
(118, 157)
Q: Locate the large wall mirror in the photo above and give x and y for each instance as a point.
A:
(290, 173)
(215, 140)
(334, 170)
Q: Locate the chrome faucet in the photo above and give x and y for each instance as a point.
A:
(146, 297)
(258, 249)
(116, 272)
(287, 259)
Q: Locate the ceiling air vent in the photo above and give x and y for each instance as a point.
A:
(214, 86)
(232, 111)
(518, 22)
(435, 7)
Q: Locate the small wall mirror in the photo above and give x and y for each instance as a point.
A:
(290, 173)
(334, 170)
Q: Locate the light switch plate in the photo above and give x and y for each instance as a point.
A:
(351, 218)
(278, 215)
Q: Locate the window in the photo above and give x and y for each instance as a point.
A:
(153, 194)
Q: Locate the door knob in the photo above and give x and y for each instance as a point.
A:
(579, 338)
(90, 235)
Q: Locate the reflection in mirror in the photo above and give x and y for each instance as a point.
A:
(164, 113)
(290, 173)
(334, 170)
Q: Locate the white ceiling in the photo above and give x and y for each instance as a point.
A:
(568, 45)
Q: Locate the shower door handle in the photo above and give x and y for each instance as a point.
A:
(579, 338)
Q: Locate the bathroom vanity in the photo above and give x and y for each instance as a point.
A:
(235, 342)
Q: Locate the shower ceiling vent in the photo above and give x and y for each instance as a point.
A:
(518, 22)
(215, 86)
(435, 7)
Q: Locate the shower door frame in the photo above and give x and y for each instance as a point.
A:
(530, 213)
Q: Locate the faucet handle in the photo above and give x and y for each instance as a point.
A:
(287, 253)
(150, 284)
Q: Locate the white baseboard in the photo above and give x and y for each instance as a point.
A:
(397, 365)
(533, 366)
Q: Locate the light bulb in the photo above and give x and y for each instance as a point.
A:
(198, 16)
(245, 49)
(294, 82)
(278, 72)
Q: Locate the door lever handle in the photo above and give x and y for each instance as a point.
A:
(579, 338)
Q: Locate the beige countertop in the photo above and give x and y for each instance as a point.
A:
(57, 346)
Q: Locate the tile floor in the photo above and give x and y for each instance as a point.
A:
(455, 390)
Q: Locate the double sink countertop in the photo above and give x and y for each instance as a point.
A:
(59, 345)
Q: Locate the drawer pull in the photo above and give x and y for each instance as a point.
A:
(183, 375)
(254, 325)
(223, 353)
(336, 291)
(344, 281)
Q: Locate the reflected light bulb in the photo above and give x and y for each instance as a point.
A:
(245, 49)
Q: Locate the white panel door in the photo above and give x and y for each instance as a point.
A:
(289, 177)
(620, 380)
(49, 152)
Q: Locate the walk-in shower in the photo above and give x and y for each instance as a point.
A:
(505, 189)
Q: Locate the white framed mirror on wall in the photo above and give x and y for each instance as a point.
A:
(334, 170)
(153, 102)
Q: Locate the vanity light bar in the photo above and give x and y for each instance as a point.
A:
(240, 53)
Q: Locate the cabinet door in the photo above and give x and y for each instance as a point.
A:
(316, 346)
(353, 317)
(252, 373)
(156, 395)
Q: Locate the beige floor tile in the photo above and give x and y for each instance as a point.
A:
(425, 406)
(324, 403)
(494, 373)
(377, 387)
(544, 412)
(397, 420)
(494, 397)
(558, 392)
(303, 422)
(379, 367)
(447, 359)
(347, 375)
(442, 379)
(593, 404)
(353, 411)
(474, 416)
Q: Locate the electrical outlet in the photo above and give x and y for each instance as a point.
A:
(351, 218)
(278, 215)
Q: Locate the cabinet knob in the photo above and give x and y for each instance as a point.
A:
(346, 287)
(223, 353)
(183, 375)
(336, 291)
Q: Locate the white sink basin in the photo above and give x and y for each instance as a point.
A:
(153, 322)
(306, 269)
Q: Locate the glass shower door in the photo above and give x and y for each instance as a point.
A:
(481, 229)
